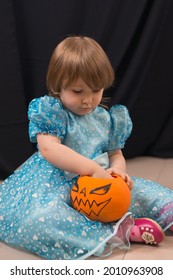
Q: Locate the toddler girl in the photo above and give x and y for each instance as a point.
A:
(76, 136)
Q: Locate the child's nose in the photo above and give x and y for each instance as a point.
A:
(87, 98)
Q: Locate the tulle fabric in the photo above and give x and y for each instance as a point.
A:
(152, 200)
(35, 209)
(36, 215)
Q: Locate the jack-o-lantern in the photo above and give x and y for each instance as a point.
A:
(104, 200)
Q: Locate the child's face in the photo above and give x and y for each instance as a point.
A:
(79, 98)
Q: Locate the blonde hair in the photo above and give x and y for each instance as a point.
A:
(78, 57)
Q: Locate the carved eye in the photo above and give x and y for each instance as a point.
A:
(75, 187)
(101, 190)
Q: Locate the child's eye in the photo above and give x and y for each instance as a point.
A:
(96, 90)
(77, 90)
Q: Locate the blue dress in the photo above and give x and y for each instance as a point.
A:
(35, 209)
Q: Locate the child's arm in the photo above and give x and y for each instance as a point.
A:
(118, 166)
(66, 159)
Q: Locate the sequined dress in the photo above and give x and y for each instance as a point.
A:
(35, 208)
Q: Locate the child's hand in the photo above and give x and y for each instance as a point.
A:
(100, 172)
(115, 171)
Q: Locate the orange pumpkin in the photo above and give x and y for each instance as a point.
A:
(104, 200)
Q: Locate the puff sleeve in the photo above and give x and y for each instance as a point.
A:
(46, 115)
(121, 127)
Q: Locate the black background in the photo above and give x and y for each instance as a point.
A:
(138, 39)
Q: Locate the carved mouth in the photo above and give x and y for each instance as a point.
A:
(88, 208)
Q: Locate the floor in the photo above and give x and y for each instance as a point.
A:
(156, 169)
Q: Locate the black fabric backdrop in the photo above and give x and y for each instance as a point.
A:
(137, 36)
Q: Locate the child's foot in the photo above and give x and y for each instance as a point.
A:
(146, 231)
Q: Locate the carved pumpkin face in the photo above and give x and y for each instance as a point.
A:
(104, 200)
